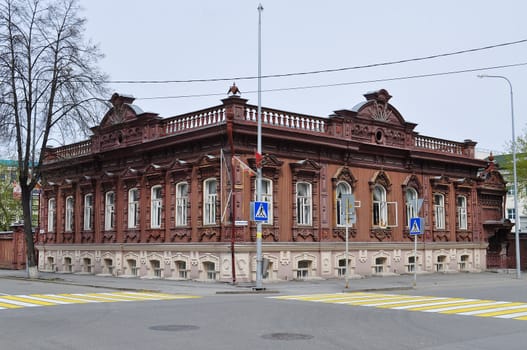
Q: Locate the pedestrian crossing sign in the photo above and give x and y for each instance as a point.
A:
(260, 211)
(416, 227)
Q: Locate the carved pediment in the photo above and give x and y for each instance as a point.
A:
(344, 174)
(305, 166)
(412, 181)
(440, 181)
(494, 179)
(380, 178)
(378, 109)
(268, 161)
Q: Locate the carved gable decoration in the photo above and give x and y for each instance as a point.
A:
(305, 167)
(380, 178)
(208, 166)
(440, 181)
(122, 110)
(493, 179)
(463, 184)
(412, 181)
(344, 174)
(378, 109)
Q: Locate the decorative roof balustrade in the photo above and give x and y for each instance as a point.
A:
(286, 119)
(186, 122)
(433, 144)
(74, 150)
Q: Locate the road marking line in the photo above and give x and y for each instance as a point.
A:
(8, 300)
(442, 305)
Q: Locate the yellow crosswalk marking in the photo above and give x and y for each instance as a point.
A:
(442, 305)
(35, 300)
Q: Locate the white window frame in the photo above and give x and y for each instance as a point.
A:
(133, 208)
(410, 197)
(156, 206)
(462, 212)
(182, 204)
(210, 195)
(267, 196)
(304, 215)
(88, 212)
(52, 210)
(342, 188)
(68, 214)
(109, 211)
(439, 211)
(384, 214)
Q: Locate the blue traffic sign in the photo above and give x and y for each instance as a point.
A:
(416, 226)
(260, 211)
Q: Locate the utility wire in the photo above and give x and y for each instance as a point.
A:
(418, 76)
(322, 70)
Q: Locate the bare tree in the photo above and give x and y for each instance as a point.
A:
(49, 80)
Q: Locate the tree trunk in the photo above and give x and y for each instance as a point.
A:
(31, 261)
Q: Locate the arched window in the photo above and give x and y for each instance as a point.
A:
(380, 210)
(156, 207)
(209, 201)
(51, 214)
(267, 196)
(133, 208)
(303, 203)
(181, 204)
(88, 212)
(410, 196)
(68, 220)
(439, 211)
(343, 188)
(109, 211)
(462, 212)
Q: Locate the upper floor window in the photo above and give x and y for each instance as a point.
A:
(267, 196)
(133, 208)
(303, 203)
(181, 204)
(511, 213)
(68, 221)
(209, 201)
(439, 211)
(109, 211)
(462, 212)
(88, 212)
(380, 207)
(156, 206)
(410, 196)
(51, 214)
(343, 188)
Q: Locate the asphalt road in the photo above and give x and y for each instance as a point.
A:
(259, 321)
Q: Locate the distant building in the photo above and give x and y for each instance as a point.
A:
(165, 198)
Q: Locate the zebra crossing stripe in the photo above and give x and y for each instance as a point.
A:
(442, 305)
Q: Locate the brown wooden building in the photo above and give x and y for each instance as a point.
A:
(157, 197)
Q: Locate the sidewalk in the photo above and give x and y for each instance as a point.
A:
(401, 282)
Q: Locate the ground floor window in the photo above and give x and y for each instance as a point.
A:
(303, 269)
(441, 263)
(155, 266)
(463, 262)
(181, 269)
(67, 264)
(108, 266)
(380, 265)
(86, 265)
(132, 266)
(51, 263)
(210, 270)
(410, 267)
(341, 268)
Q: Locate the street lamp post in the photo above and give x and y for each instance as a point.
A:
(516, 213)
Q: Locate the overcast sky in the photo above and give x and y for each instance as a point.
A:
(181, 40)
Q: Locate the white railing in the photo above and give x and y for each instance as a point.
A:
(287, 120)
(193, 121)
(444, 146)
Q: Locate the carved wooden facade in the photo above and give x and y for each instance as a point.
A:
(166, 198)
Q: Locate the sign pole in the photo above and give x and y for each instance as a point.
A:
(415, 260)
(347, 255)
(259, 150)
